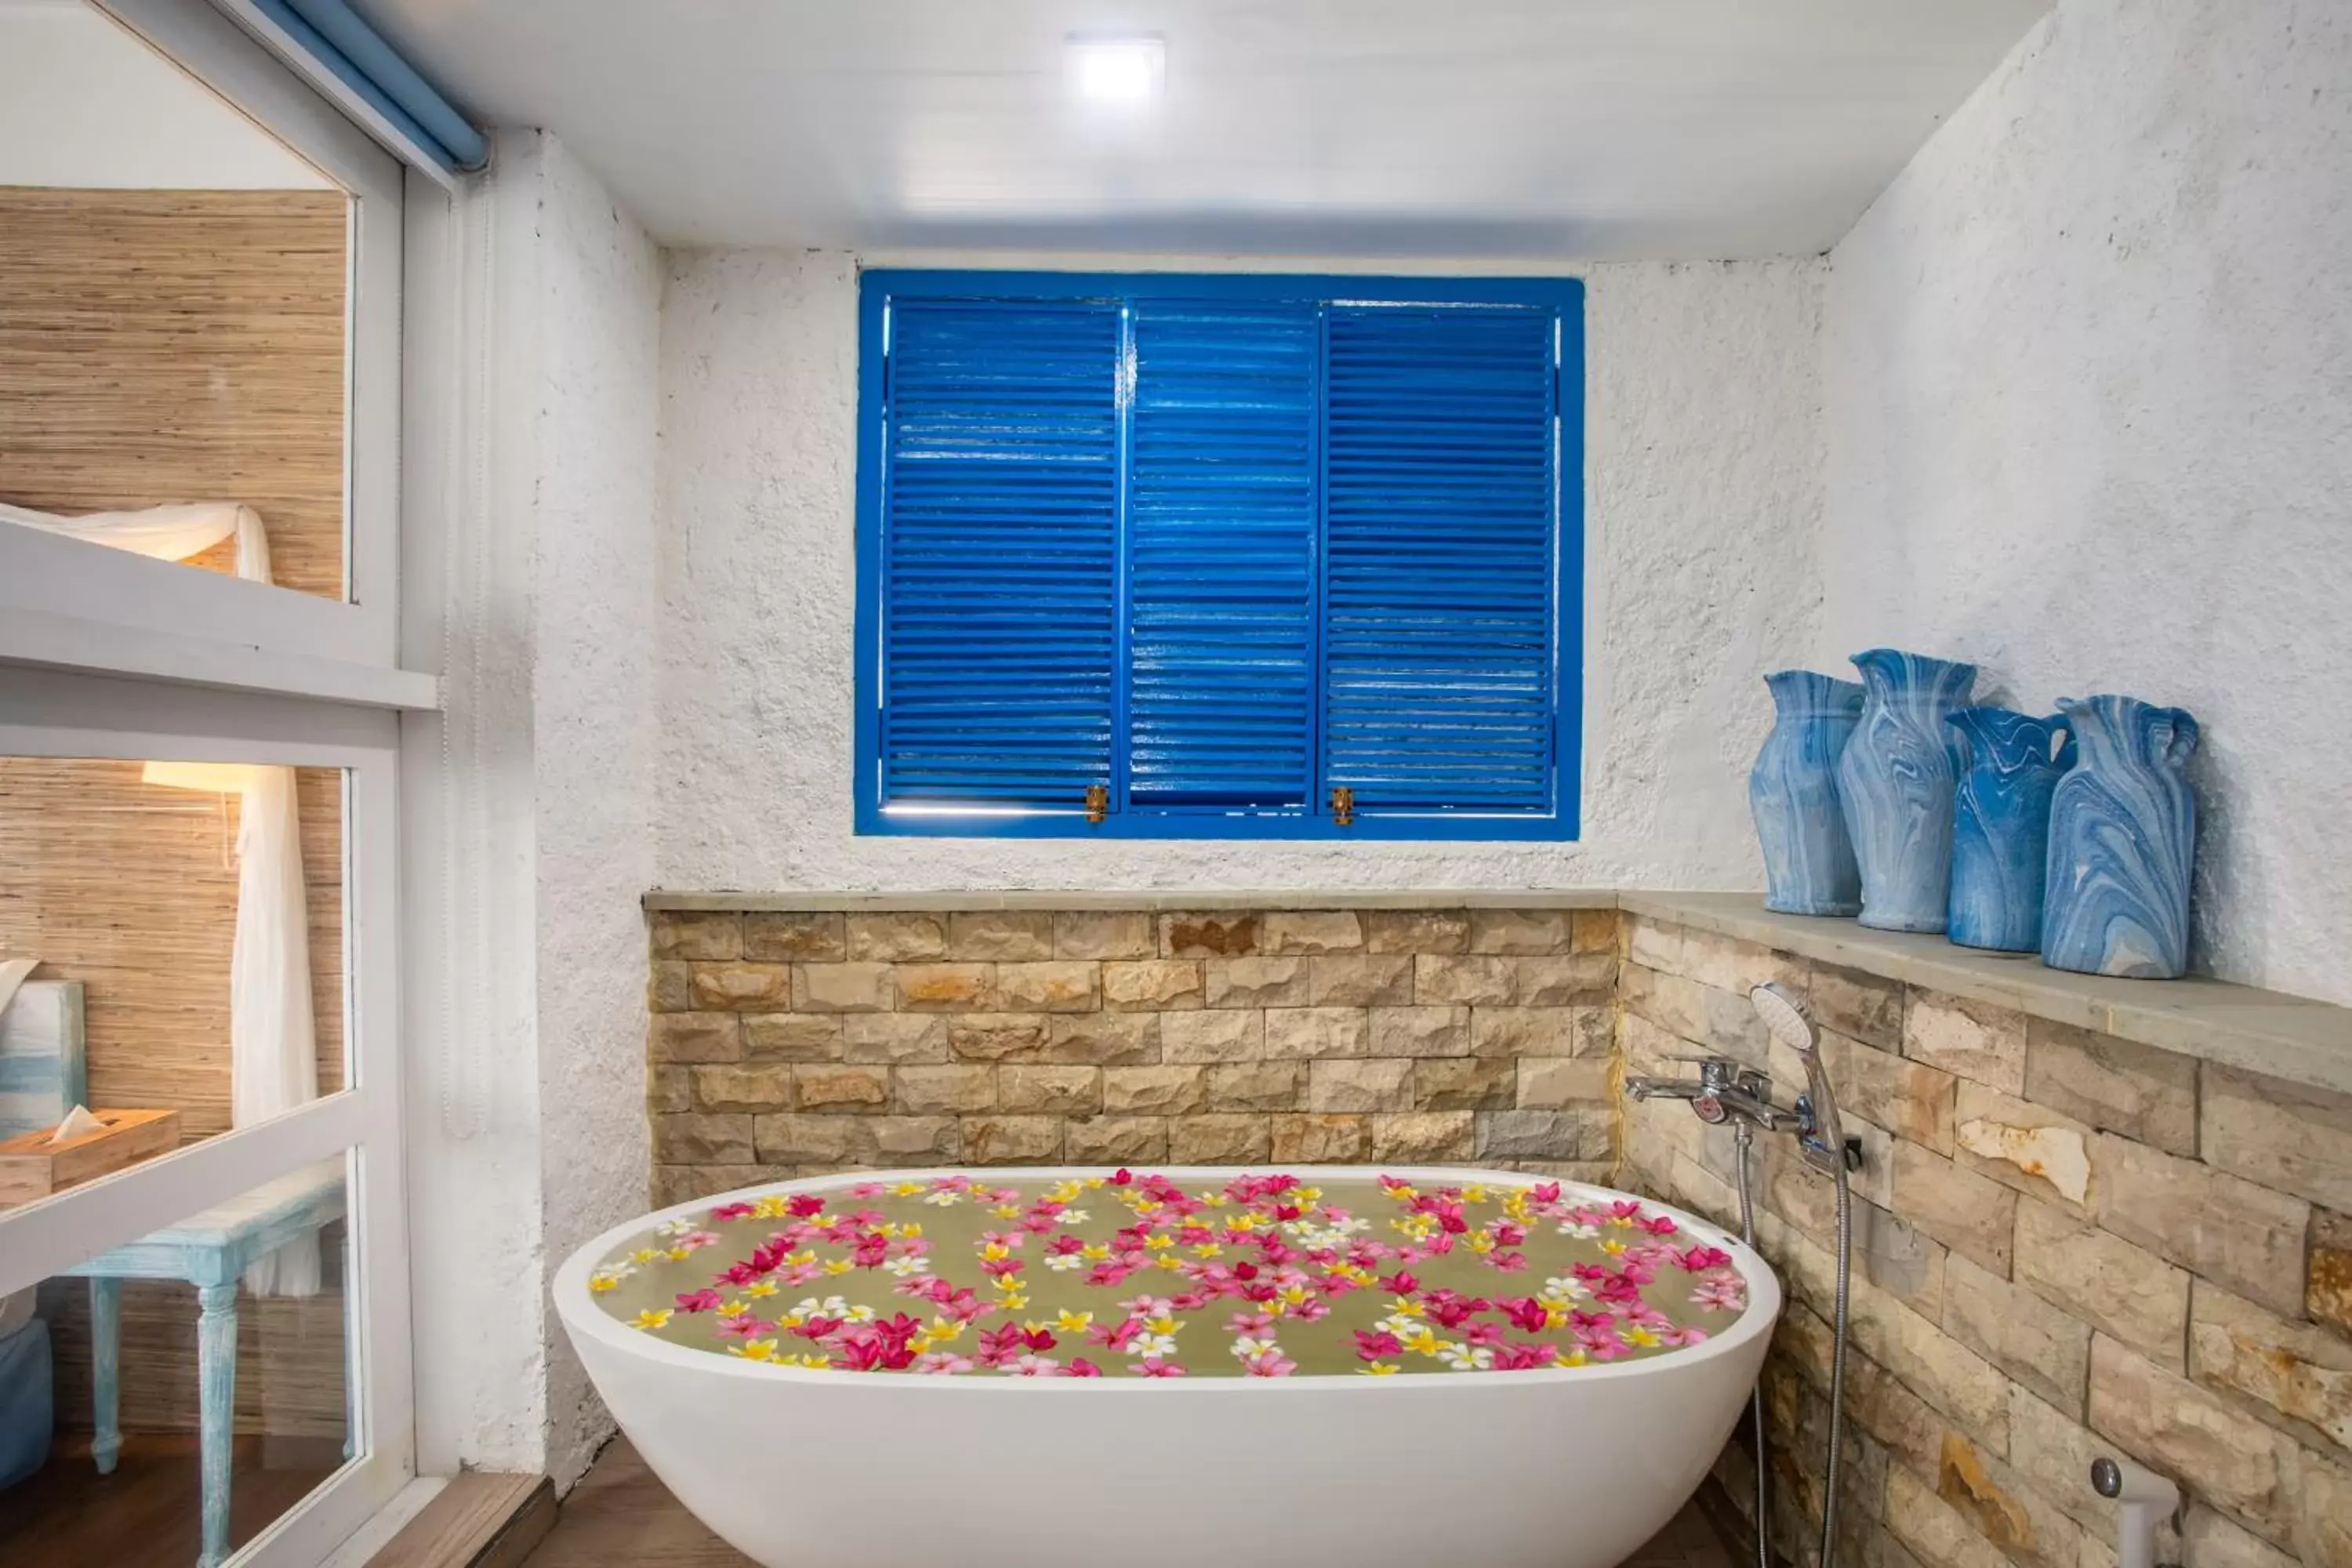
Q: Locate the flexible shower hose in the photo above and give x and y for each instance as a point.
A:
(1745, 1139)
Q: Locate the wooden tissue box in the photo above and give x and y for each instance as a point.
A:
(32, 1167)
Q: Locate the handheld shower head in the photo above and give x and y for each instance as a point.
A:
(1783, 1012)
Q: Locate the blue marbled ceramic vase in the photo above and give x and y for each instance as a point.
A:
(1809, 867)
(2001, 825)
(1895, 782)
(2122, 829)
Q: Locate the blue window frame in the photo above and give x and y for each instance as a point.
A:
(1151, 555)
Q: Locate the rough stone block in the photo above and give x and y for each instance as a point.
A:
(1152, 984)
(1156, 1091)
(2323, 1529)
(1540, 1031)
(1421, 1031)
(1218, 1036)
(1219, 1140)
(743, 1088)
(947, 987)
(1463, 1083)
(1939, 1533)
(1562, 1134)
(893, 937)
(842, 988)
(802, 1140)
(1016, 936)
(1908, 1098)
(1359, 980)
(1116, 1140)
(1547, 1081)
(1295, 1034)
(2117, 1086)
(2234, 1461)
(695, 1138)
(2220, 1227)
(2328, 1293)
(894, 1038)
(1097, 934)
(669, 987)
(1060, 986)
(1470, 978)
(740, 987)
(844, 1090)
(1228, 934)
(2046, 1350)
(2040, 1152)
(955, 1090)
(2123, 1290)
(1654, 944)
(1564, 980)
(670, 1089)
(784, 937)
(1423, 1136)
(1256, 981)
(704, 937)
(2006, 1508)
(1304, 931)
(1859, 1006)
(1968, 1039)
(1360, 1085)
(1517, 931)
(796, 1037)
(1594, 930)
(2286, 1136)
(1257, 1085)
(1050, 1090)
(1968, 1213)
(1105, 1040)
(2293, 1375)
(681, 1038)
(1416, 930)
(1676, 1005)
(998, 1037)
(2208, 1540)
(1734, 967)
(911, 1140)
(1320, 1140)
(1012, 1140)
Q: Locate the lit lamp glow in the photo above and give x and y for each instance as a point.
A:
(1118, 71)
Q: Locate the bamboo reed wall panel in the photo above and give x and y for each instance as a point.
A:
(131, 887)
(162, 346)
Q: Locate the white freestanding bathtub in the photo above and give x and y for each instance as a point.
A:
(1562, 1468)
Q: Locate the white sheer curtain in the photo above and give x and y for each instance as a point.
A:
(273, 1043)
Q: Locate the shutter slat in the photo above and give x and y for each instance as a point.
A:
(1000, 552)
(1438, 683)
(1221, 546)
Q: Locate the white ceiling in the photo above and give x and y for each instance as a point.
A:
(1470, 128)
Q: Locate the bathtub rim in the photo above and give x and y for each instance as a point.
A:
(576, 1306)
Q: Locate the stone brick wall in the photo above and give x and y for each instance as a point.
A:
(793, 1044)
(2067, 1244)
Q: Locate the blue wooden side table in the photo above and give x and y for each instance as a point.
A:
(210, 1251)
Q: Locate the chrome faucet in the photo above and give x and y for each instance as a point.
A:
(1725, 1090)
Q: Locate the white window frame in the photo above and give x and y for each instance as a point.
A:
(108, 655)
(73, 604)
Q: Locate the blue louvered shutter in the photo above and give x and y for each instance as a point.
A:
(1220, 550)
(998, 602)
(1438, 633)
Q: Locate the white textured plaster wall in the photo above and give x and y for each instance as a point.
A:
(593, 687)
(2088, 367)
(526, 1132)
(1702, 496)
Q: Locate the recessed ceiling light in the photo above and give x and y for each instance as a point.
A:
(1117, 70)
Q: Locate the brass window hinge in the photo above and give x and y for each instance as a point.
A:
(1097, 802)
(1343, 805)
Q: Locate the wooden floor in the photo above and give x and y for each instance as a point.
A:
(619, 1516)
(69, 1516)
